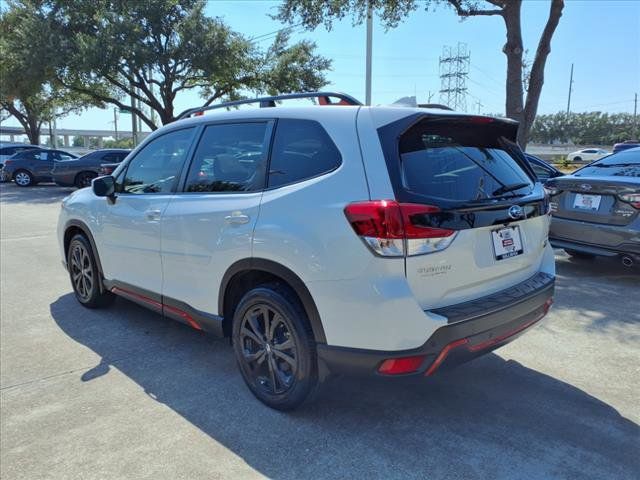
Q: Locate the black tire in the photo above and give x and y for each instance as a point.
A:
(580, 255)
(278, 382)
(23, 178)
(84, 274)
(577, 159)
(83, 179)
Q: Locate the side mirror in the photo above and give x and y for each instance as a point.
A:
(104, 186)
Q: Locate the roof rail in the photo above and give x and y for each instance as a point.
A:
(323, 98)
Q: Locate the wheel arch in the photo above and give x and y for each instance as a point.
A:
(74, 227)
(268, 269)
(83, 172)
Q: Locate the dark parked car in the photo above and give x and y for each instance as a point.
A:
(543, 170)
(596, 209)
(8, 150)
(619, 147)
(29, 167)
(81, 171)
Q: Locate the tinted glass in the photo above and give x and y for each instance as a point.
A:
(301, 149)
(155, 169)
(623, 164)
(114, 157)
(230, 158)
(7, 151)
(451, 163)
(541, 172)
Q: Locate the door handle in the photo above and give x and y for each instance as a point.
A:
(237, 218)
(152, 215)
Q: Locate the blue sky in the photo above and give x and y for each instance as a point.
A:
(601, 38)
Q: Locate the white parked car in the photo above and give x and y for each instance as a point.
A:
(587, 155)
(374, 240)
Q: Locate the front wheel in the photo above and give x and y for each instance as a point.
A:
(274, 347)
(84, 274)
(23, 178)
(577, 159)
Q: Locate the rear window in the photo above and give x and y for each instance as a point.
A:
(622, 164)
(454, 163)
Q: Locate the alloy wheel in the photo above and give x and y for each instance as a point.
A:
(81, 272)
(268, 349)
(23, 179)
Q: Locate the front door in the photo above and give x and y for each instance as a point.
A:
(130, 227)
(209, 225)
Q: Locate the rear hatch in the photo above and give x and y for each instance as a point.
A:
(464, 179)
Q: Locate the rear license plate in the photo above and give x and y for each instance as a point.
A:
(587, 202)
(506, 242)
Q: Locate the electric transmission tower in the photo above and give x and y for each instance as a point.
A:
(454, 70)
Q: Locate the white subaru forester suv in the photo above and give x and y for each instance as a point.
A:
(325, 238)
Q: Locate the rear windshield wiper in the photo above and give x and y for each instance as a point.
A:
(509, 188)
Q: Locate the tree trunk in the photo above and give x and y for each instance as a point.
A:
(536, 79)
(513, 50)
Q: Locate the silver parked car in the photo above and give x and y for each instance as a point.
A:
(596, 209)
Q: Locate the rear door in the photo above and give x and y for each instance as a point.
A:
(209, 224)
(470, 185)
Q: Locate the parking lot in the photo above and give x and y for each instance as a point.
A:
(124, 393)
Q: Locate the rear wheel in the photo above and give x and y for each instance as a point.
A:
(577, 254)
(83, 179)
(23, 178)
(577, 159)
(274, 347)
(84, 274)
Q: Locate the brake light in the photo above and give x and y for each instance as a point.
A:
(393, 229)
(632, 198)
(7, 162)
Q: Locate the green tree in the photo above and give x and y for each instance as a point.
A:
(112, 50)
(587, 128)
(28, 90)
(519, 106)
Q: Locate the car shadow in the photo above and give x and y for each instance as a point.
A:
(491, 418)
(41, 193)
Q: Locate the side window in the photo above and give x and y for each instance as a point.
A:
(64, 156)
(8, 151)
(155, 169)
(302, 149)
(541, 172)
(41, 155)
(110, 158)
(230, 158)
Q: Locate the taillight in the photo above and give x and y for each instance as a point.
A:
(393, 229)
(7, 162)
(632, 198)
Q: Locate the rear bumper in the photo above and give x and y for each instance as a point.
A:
(596, 239)
(473, 329)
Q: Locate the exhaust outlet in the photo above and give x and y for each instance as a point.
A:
(627, 261)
